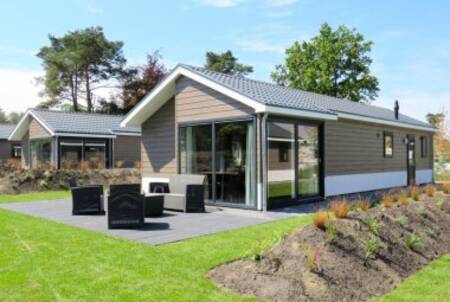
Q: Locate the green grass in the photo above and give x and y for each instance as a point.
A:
(47, 195)
(431, 284)
(42, 260)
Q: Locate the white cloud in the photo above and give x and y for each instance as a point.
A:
(18, 90)
(94, 10)
(280, 2)
(220, 3)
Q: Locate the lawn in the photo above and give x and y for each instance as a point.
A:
(42, 260)
(47, 195)
(431, 284)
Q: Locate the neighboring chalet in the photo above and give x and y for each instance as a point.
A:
(68, 139)
(8, 149)
(262, 146)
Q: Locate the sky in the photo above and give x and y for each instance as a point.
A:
(411, 51)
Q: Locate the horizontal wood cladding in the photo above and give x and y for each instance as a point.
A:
(354, 147)
(158, 144)
(36, 131)
(196, 102)
(5, 149)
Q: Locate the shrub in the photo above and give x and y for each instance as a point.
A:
(363, 205)
(402, 198)
(387, 201)
(371, 246)
(412, 241)
(137, 164)
(340, 209)
(331, 230)
(414, 192)
(372, 225)
(84, 166)
(320, 219)
(446, 188)
(119, 164)
(430, 190)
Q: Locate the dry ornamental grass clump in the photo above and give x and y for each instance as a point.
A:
(320, 219)
(446, 188)
(402, 198)
(340, 209)
(430, 190)
(414, 192)
(363, 205)
(387, 201)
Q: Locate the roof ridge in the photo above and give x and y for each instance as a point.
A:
(77, 113)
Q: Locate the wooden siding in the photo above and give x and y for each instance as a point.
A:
(26, 150)
(353, 147)
(5, 149)
(36, 131)
(158, 144)
(196, 102)
(128, 150)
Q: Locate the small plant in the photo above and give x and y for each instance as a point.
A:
(430, 190)
(371, 246)
(402, 198)
(421, 211)
(414, 192)
(440, 203)
(363, 205)
(331, 230)
(340, 209)
(258, 249)
(412, 241)
(446, 188)
(320, 219)
(387, 201)
(429, 232)
(372, 225)
(313, 257)
(401, 220)
(119, 164)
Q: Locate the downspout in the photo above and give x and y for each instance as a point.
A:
(264, 161)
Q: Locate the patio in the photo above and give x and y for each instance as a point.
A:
(171, 227)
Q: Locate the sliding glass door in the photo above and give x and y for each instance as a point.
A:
(293, 160)
(225, 153)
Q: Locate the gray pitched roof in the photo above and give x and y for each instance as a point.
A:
(6, 130)
(62, 122)
(275, 95)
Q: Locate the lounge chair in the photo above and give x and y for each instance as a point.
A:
(86, 200)
(125, 206)
(186, 193)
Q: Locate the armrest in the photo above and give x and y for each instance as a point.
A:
(195, 191)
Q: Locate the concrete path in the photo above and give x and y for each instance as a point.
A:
(171, 227)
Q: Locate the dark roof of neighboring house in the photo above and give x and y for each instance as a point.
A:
(275, 95)
(61, 122)
(6, 130)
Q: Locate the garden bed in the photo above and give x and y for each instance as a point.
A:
(366, 253)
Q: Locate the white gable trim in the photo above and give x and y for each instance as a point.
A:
(23, 124)
(300, 113)
(383, 122)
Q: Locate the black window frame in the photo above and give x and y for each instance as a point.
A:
(385, 135)
(283, 153)
(13, 149)
(423, 146)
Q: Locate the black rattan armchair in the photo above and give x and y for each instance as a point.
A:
(125, 207)
(86, 200)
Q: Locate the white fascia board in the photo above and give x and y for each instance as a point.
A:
(161, 94)
(299, 113)
(126, 134)
(383, 122)
(23, 124)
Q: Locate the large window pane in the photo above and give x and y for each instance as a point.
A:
(71, 151)
(41, 153)
(281, 160)
(308, 159)
(235, 145)
(94, 154)
(196, 154)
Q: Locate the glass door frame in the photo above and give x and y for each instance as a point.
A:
(213, 123)
(411, 145)
(296, 123)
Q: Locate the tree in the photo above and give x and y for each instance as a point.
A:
(140, 80)
(436, 119)
(3, 117)
(79, 63)
(335, 62)
(14, 117)
(442, 135)
(226, 63)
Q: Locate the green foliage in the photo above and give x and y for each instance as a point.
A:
(412, 241)
(3, 117)
(25, 197)
(331, 230)
(371, 246)
(372, 225)
(227, 63)
(402, 220)
(335, 62)
(77, 64)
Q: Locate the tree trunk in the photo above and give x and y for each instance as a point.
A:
(88, 93)
(74, 91)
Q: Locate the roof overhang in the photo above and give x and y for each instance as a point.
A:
(384, 122)
(23, 125)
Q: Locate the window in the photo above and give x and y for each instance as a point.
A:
(424, 146)
(283, 152)
(388, 144)
(16, 151)
(40, 153)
